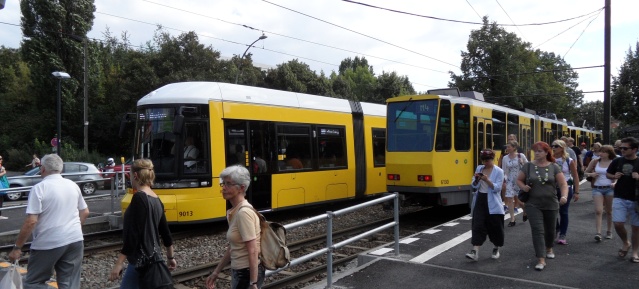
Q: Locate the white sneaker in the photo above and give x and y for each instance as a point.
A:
(550, 255)
(473, 255)
(495, 253)
(3, 217)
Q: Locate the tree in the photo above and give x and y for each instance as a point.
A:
(625, 90)
(47, 27)
(297, 76)
(391, 85)
(503, 67)
(590, 113)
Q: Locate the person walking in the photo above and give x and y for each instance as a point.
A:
(569, 169)
(487, 210)
(55, 214)
(625, 170)
(4, 184)
(243, 234)
(602, 189)
(540, 178)
(511, 165)
(35, 162)
(136, 217)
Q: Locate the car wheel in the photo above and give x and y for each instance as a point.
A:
(13, 196)
(88, 188)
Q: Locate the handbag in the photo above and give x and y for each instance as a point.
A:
(12, 279)
(524, 196)
(152, 269)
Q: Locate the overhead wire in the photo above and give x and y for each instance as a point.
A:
(469, 22)
(294, 38)
(217, 38)
(582, 33)
(571, 27)
(360, 33)
(471, 6)
(511, 20)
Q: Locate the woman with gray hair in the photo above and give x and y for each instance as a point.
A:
(243, 234)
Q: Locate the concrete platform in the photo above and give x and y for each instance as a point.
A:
(436, 259)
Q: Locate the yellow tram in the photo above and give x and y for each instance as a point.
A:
(433, 142)
(300, 149)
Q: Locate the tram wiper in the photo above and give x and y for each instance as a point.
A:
(410, 100)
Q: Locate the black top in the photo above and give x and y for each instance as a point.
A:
(626, 185)
(133, 226)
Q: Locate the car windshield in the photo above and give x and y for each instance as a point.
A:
(33, 172)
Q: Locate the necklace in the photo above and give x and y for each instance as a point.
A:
(545, 179)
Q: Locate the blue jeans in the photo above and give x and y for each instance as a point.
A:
(562, 221)
(130, 280)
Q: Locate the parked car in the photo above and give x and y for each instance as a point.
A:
(74, 171)
(115, 169)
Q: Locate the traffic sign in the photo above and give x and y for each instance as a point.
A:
(54, 142)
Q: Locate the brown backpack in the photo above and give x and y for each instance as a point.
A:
(273, 251)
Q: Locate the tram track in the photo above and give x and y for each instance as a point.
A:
(310, 270)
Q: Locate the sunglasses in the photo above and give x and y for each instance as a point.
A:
(556, 146)
(621, 148)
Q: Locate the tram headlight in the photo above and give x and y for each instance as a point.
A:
(424, 178)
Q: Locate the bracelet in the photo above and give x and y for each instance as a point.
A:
(170, 258)
(252, 283)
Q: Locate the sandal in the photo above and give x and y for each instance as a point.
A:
(634, 259)
(598, 237)
(511, 224)
(622, 253)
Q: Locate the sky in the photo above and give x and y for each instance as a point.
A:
(322, 33)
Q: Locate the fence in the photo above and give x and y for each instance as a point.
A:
(330, 247)
(115, 190)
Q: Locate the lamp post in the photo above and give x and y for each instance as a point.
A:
(245, 51)
(60, 76)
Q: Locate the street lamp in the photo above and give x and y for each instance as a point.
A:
(245, 51)
(60, 76)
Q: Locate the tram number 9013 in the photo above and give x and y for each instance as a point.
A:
(186, 214)
(444, 182)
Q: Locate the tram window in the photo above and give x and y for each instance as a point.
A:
(331, 141)
(411, 125)
(443, 140)
(379, 147)
(462, 127)
(196, 146)
(294, 147)
(499, 127)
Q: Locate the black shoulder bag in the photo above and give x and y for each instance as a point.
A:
(523, 195)
(151, 266)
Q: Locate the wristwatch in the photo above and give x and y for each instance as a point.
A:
(16, 247)
(252, 283)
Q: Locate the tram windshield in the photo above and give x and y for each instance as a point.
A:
(411, 125)
(176, 147)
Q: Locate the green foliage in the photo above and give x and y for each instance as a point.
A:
(500, 65)
(625, 90)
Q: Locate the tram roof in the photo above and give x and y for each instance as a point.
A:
(205, 92)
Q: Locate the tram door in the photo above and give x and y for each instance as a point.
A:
(247, 144)
(483, 137)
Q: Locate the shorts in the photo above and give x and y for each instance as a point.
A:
(621, 208)
(603, 192)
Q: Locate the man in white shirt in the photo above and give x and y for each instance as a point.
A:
(55, 214)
